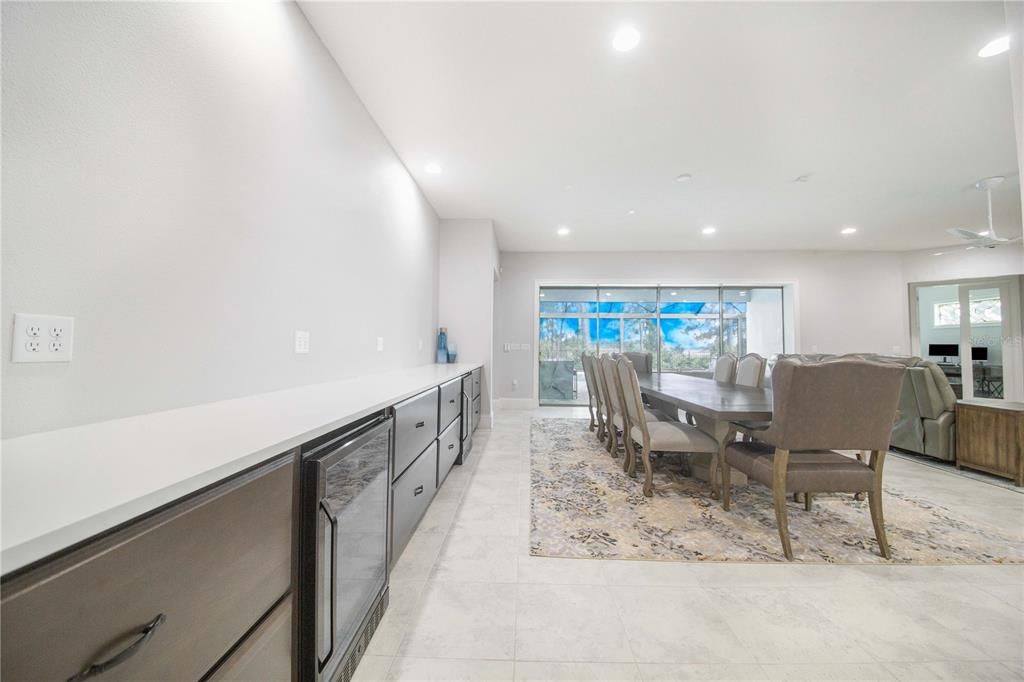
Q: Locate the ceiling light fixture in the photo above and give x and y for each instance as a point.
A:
(997, 46)
(632, 212)
(625, 39)
(563, 231)
(710, 229)
(848, 230)
(432, 168)
(684, 177)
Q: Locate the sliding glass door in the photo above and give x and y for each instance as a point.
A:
(967, 329)
(682, 328)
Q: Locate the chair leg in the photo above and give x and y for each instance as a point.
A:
(723, 466)
(630, 464)
(861, 455)
(779, 467)
(807, 502)
(648, 471)
(593, 424)
(875, 503)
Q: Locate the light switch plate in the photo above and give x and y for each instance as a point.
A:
(42, 338)
(301, 341)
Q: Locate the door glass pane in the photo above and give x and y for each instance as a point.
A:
(753, 321)
(939, 323)
(567, 328)
(640, 335)
(690, 329)
(986, 337)
(609, 335)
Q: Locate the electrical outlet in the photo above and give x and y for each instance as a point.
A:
(380, 344)
(301, 341)
(42, 338)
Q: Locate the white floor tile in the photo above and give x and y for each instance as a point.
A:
(569, 623)
(463, 620)
(450, 670)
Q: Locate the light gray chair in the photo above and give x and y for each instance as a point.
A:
(616, 417)
(593, 396)
(750, 370)
(846, 404)
(725, 368)
(652, 435)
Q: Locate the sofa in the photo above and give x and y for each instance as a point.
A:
(926, 420)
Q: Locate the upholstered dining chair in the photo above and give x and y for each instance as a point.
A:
(593, 397)
(750, 370)
(651, 435)
(617, 419)
(725, 368)
(819, 407)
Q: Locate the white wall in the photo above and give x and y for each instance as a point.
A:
(843, 302)
(193, 183)
(468, 269)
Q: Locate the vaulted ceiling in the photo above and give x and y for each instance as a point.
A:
(885, 109)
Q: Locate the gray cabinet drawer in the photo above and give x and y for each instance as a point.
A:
(265, 654)
(415, 427)
(410, 496)
(476, 412)
(451, 402)
(212, 564)
(476, 382)
(448, 451)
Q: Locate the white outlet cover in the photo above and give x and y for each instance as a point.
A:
(42, 338)
(301, 341)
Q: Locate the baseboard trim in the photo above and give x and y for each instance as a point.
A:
(514, 404)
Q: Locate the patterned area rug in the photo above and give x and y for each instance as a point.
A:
(584, 506)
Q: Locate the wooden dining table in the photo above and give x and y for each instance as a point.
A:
(714, 404)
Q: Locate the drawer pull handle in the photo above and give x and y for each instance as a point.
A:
(452, 401)
(144, 634)
(419, 425)
(451, 446)
(419, 489)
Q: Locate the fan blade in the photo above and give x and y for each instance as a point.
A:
(965, 234)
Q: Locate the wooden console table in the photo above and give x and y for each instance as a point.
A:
(990, 437)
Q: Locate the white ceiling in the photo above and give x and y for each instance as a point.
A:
(537, 122)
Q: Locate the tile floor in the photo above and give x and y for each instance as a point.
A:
(468, 602)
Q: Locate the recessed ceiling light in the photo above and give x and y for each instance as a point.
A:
(632, 212)
(997, 46)
(848, 230)
(625, 39)
(710, 229)
(432, 168)
(806, 177)
(563, 231)
(684, 177)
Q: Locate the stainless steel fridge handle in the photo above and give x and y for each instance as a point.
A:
(333, 579)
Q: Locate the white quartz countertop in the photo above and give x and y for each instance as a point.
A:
(62, 487)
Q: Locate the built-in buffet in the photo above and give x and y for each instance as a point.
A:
(279, 572)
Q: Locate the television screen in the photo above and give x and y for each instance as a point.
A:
(979, 353)
(944, 350)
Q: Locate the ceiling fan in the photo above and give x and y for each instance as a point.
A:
(987, 239)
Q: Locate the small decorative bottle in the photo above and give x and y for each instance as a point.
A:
(442, 346)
